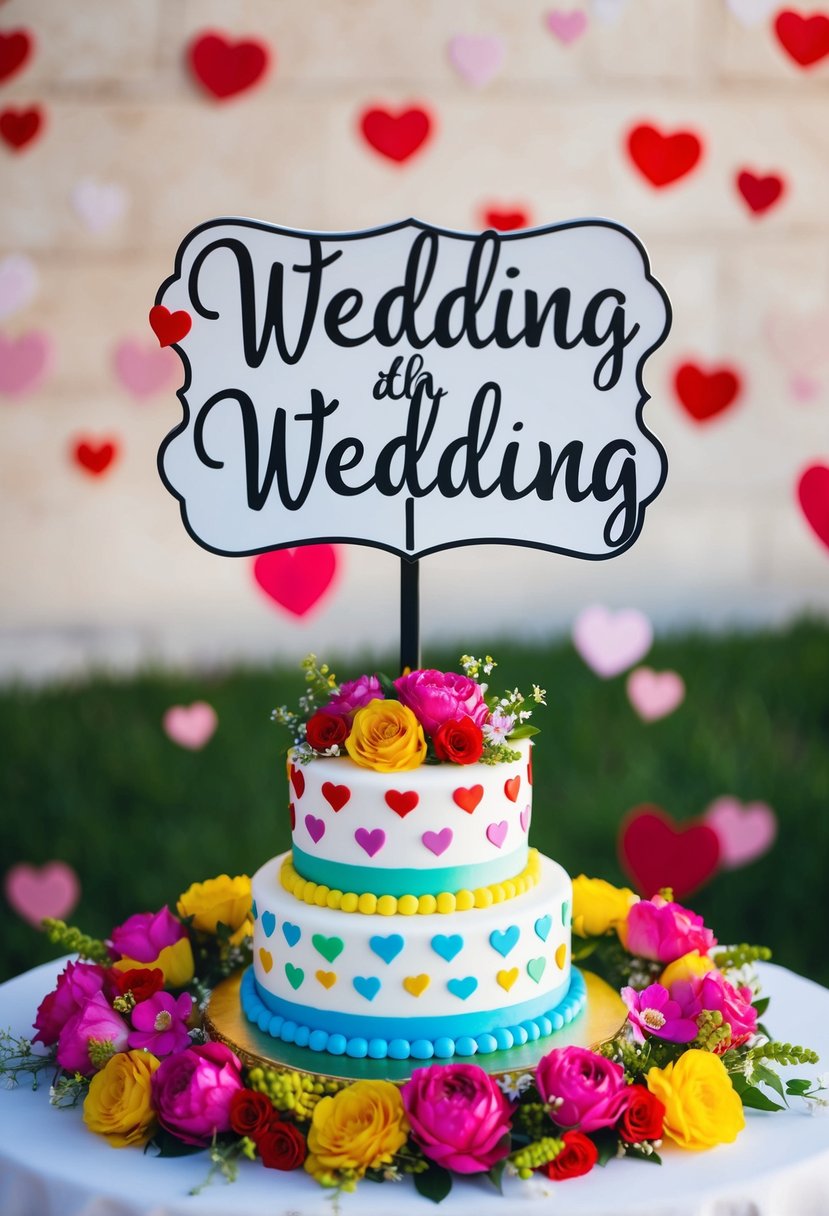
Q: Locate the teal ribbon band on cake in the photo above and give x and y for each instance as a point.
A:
(342, 876)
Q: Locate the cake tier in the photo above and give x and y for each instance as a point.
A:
(439, 827)
(412, 986)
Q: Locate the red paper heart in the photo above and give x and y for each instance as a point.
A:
(226, 68)
(335, 795)
(656, 852)
(52, 890)
(169, 327)
(401, 802)
(511, 788)
(15, 48)
(93, 457)
(760, 192)
(813, 496)
(506, 221)
(663, 159)
(703, 394)
(296, 579)
(396, 136)
(19, 127)
(805, 39)
(297, 780)
(468, 799)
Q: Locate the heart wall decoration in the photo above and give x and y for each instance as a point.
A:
(704, 393)
(99, 205)
(663, 159)
(655, 694)
(567, 25)
(813, 497)
(24, 363)
(805, 39)
(760, 193)
(611, 642)
(224, 68)
(505, 218)
(20, 128)
(396, 134)
(477, 58)
(34, 892)
(18, 284)
(16, 47)
(144, 370)
(745, 831)
(297, 580)
(656, 852)
(190, 726)
(95, 456)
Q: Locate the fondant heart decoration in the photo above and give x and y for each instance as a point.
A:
(266, 959)
(268, 923)
(543, 926)
(468, 798)
(402, 802)
(704, 393)
(496, 833)
(292, 815)
(507, 978)
(511, 787)
(438, 842)
(292, 933)
(530, 768)
(504, 940)
(813, 496)
(750, 13)
(745, 831)
(169, 327)
(295, 975)
(387, 948)
(462, 988)
(297, 579)
(561, 956)
(367, 985)
(567, 26)
(447, 945)
(225, 68)
(144, 370)
(18, 284)
(804, 39)
(24, 362)
(190, 726)
(760, 193)
(397, 136)
(297, 780)
(329, 947)
(536, 968)
(327, 978)
(611, 642)
(525, 819)
(94, 456)
(416, 984)
(254, 911)
(506, 219)
(316, 828)
(654, 694)
(19, 128)
(565, 913)
(663, 159)
(98, 205)
(656, 852)
(370, 842)
(34, 892)
(16, 47)
(335, 795)
(477, 58)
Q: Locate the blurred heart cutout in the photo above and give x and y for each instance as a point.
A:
(24, 362)
(98, 205)
(663, 159)
(655, 694)
(477, 58)
(745, 831)
(760, 193)
(752, 12)
(144, 369)
(15, 48)
(566, 25)
(297, 579)
(94, 457)
(813, 496)
(18, 283)
(19, 128)
(704, 393)
(225, 68)
(397, 136)
(611, 642)
(190, 726)
(804, 39)
(656, 852)
(50, 890)
(798, 339)
(505, 219)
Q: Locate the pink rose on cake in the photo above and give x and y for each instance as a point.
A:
(716, 993)
(192, 1092)
(353, 695)
(77, 983)
(583, 1090)
(435, 697)
(458, 1116)
(90, 1031)
(663, 931)
(155, 939)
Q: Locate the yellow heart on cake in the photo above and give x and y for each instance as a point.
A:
(327, 978)
(266, 958)
(415, 984)
(561, 955)
(507, 978)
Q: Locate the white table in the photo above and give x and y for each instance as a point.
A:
(51, 1165)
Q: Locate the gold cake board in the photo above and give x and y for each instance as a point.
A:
(604, 1014)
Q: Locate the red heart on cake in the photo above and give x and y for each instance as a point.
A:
(663, 159)
(335, 795)
(511, 788)
(506, 221)
(226, 68)
(702, 393)
(656, 852)
(805, 39)
(169, 327)
(15, 49)
(297, 780)
(296, 579)
(19, 127)
(292, 813)
(396, 136)
(402, 802)
(94, 458)
(468, 799)
(813, 496)
(52, 890)
(760, 192)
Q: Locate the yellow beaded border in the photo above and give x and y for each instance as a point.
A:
(308, 892)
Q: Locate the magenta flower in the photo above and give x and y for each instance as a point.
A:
(459, 1116)
(192, 1091)
(76, 984)
(143, 936)
(582, 1089)
(159, 1023)
(435, 697)
(96, 1020)
(656, 1011)
(717, 993)
(663, 931)
(355, 694)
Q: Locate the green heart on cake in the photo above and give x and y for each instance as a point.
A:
(535, 968)
(295, 975)
(329, 947)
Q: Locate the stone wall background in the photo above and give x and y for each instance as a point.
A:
(98, 569)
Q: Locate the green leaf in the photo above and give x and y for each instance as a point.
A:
(768, 1077)
(434, 1183)
(754, 1098)
(633, 1151)
(496, 1174)
(524, 731)
(169, 1146)
(607, 1142)
(387, 685)
(797, 1086)
(761, 1005)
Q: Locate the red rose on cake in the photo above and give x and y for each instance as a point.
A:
(578, 1157)
(326, 730)
(435, 697)
(461, 741)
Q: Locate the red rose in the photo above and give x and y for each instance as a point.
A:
(324, 730)
(642, 1116)
(142, 982)
(281, 1146)
(578, 1157)
(251, 1113)
(462, 741)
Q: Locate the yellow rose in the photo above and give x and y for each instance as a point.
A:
(118, 1103)
(360, 1128)
(690, 966)
(387, 737)
(702, 1108)
(175, 961)
(219, 900)
(598, 906)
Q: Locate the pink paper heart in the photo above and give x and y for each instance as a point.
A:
(805, 388)
(51, 890)
(745, 830)
(496, 833)
(296, 579)
(99, 205)
(145, 368)
(654, 694)
(18, 283)
(190, 726)
(477, 58)
(611, 642)
(24, 362)
(799, 340)
(568, 27)
(438, 842)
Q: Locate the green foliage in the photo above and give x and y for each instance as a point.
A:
(434, 1183)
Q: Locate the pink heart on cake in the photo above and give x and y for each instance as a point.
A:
(656, 852)
(145, 369)
(745, 831)
(438, 842)
(34, 893)
(566, 26)
(525, 819)
(296, 579)
(24, 362)
(654, 694)
(316, 828)
(611, 642)
(496, 833)
(18, 283)
(370, 841)
(477, 58)
(335, 795)
(190, 726)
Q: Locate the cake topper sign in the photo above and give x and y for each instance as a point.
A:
(414, 388)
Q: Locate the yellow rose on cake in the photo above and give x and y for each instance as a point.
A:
(360, 1128)
(118, 1102)
(598, 906)
(387, 737)
(216, 901)
(702, 1107)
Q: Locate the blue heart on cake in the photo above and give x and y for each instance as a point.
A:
(447, 945)
(367, 986)
(291, 933)
(543, 926)
(268, 923)
(461, 988)
(503, 940)
(386, 948)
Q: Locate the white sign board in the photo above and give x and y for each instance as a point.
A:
(414, 388)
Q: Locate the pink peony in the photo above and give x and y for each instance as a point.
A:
(143, 936)
(76, 984)
(353, 695)
(664, 931)
(458, 1116)
(159, 1024)
(663, 1014)
(192, 1091)
(435, 697)
(583, 1090)
(716, 992)
(96, 1020)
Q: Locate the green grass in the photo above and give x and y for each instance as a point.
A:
(90, 777)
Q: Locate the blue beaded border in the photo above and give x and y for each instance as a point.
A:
(442, 1048)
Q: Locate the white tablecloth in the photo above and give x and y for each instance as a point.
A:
(50, 1165)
